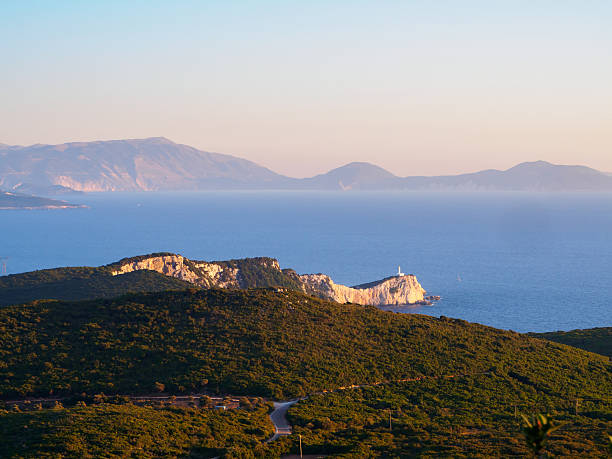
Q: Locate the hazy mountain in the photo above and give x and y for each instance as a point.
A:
(158, 164)
(126, 165)
(355, 175)
(529, 176)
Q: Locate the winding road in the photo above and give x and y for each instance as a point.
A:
(279, 418)
(278, 415)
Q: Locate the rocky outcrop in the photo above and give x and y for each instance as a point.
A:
(266, 272)
(197, 272)
(392, 290)
(170, 265)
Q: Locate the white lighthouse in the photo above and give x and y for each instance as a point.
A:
(399, 271)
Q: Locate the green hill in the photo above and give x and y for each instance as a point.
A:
(81, 283)
(121, 431)
(88, 283)
(467, 417)
(469, 382)
(597, 340)
(262, 342)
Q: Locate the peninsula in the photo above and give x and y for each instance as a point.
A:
(394, 290)
(169, 271)
(10, 200)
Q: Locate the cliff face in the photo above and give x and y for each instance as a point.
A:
(266, 272)
(392, 290)
(197, 272)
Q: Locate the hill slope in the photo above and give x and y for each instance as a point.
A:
(468, 417)
(119, 431)
(81, 283)
(263, 342)
(597, 340)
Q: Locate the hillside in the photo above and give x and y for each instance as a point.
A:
(81, 283)
(464, 384)
(158, 164)
(262, 342)
(117, 430)
(468, 417)
(597, 340)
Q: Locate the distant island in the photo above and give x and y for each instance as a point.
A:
(10, 200)
(158, 164)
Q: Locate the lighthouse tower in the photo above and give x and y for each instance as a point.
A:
(399, 272)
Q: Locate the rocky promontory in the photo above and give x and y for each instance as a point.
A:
(393, 290)
(266, 272)
(10, 200)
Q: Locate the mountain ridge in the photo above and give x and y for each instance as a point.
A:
(159, 164)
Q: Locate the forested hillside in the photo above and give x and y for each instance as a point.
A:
(597, 340)
(467, 417)
(115, 431)
(81, 283)
(262, 342)
(464, 385)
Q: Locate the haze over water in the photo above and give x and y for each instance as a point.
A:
(527, 262)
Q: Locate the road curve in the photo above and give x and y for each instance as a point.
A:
(279, 418)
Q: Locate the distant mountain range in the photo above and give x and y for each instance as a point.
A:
(158, 164)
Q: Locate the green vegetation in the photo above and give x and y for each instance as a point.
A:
(471, 382)
(262, 272)
(113, 431)
(81, 283)
(88, 283)
(466, 417)
(597, 340)
(263, 342)
(258, 272)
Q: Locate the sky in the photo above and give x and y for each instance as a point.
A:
(417, 87)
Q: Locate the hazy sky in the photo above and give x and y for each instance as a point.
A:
(418, 87)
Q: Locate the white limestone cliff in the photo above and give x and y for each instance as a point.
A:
(197, 272)
(396, 290)
(390, 291)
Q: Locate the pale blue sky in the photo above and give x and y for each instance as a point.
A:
(418, 87)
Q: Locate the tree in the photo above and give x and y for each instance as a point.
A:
(536, 431)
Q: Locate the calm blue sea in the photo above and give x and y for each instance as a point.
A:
(527, 262)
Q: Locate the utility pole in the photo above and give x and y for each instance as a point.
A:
(577, 402)
(300, 444)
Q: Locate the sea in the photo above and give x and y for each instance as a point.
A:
(519, 261)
